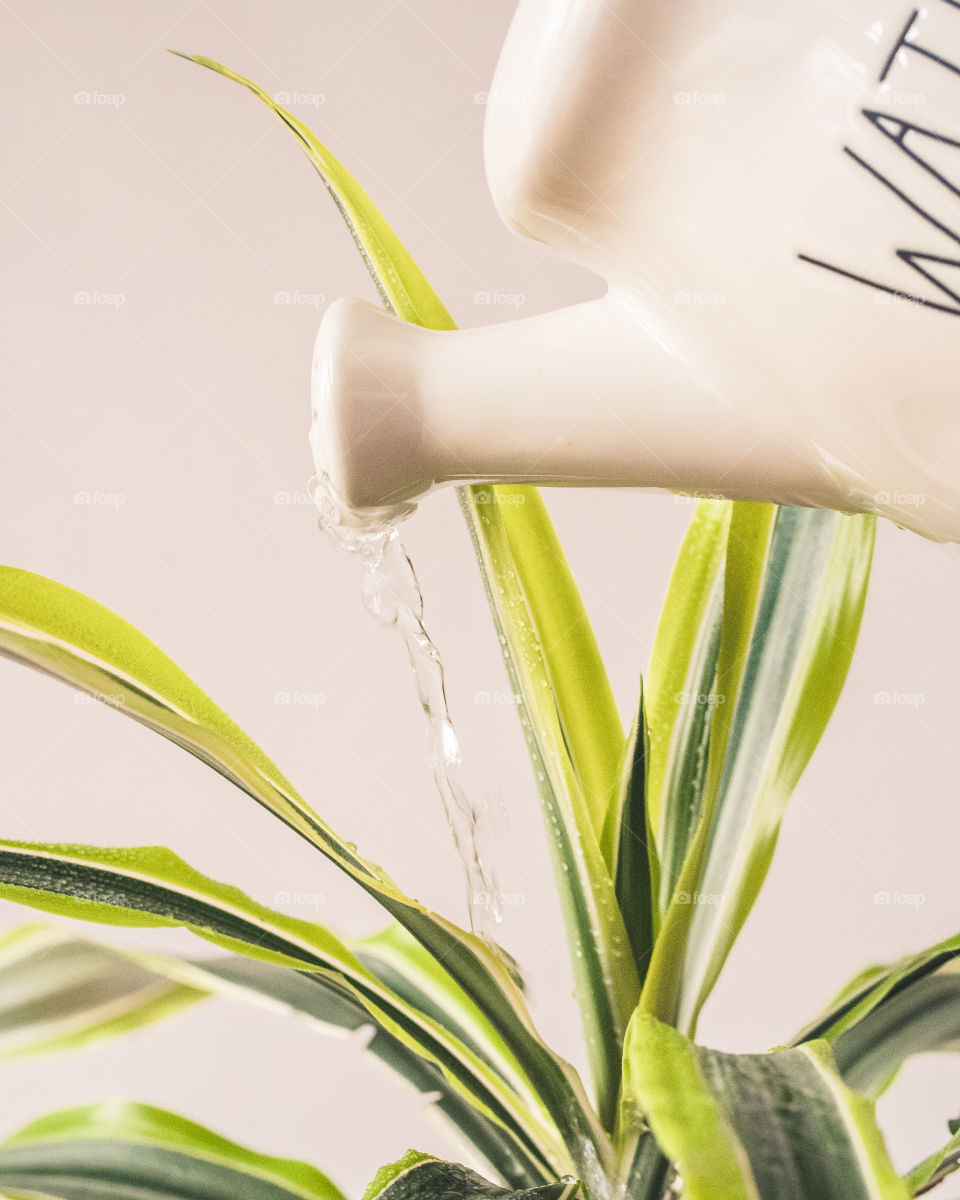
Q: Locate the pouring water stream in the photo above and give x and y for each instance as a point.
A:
(391, 592)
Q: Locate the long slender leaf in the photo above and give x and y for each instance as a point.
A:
(794, 589)
(550, 652)
(631, 845)
(309, 995)
(680, 690)
(608, 983)
(67, 635)
(882, 1019)
(418, 1176)
(59, 993)
(152, 888)
(124, 1151)
(754, 1126)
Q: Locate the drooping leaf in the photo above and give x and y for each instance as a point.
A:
(60, 993)
(889, 1014)
(67, 635)
(124, 1151)
(794, 590)
(418, 1176)
(551, 655)
(311, 996)
(753, 1126)
(149, 887)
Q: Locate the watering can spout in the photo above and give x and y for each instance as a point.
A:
(590, 395)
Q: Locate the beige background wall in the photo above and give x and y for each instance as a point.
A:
(153, 454)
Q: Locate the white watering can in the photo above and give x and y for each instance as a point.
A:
(772, 191)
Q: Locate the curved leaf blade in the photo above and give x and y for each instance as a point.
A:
(71, 637)
(149, 887)
(75, 979)
(418, 1176)
(889, 1014)
(59, 993)
(118, 1150)
(755, 1126)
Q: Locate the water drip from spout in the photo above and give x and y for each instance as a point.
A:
(391, 592)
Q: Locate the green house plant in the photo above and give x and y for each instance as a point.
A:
(661, 838)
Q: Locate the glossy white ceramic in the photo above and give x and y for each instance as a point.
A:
(772, 192)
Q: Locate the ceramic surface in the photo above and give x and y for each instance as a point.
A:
(772, 193)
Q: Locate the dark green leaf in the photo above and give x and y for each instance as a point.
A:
(419, 1177)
